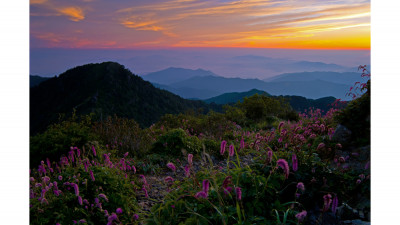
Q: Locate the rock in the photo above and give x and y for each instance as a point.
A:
(364, 153)
(342, 134)
(355, 222)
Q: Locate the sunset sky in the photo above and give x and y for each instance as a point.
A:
(152, 24)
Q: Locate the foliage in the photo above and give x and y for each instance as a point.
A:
(123, 134)
(356, 116)
(260, 109)
(59, 137)
(174, 142)
(83, 187)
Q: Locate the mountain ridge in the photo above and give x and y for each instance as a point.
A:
(105, 89)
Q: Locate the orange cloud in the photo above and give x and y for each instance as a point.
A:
(72, 41)
(74, 13)
(147, 25)
(38, 1)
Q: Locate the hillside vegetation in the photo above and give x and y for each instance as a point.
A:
(256, 162)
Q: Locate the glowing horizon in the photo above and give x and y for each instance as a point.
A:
(286, 24)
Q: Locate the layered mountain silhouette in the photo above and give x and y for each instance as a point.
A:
(104, 89)
(346, 78)
(311, 85)
(172, 75)
(282, 65)
(234, 97)
(298, 103)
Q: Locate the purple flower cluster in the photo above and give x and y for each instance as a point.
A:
(223, 147)
(171, 166)
(284, 165)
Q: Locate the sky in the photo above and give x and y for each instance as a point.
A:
(151, 35)
(123, 24)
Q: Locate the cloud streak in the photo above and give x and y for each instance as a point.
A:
(74, 13)
(239, 23)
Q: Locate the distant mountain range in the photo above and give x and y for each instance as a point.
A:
(104, 89)
(172, 75)
(346, 78)
(200, 85)
(234, 97)
(283, 65)
(298, 103)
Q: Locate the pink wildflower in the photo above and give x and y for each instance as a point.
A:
(187, 171)
(119, 211)
(171, 166)
(284, 165)
(143, 180)
(280, 126)
(201, 194)
(301, 215)
(335, 204)
(206, 185)
(169, 179)
(112, 217)
(190, 159)
(91, 175)
(294, 162)
(242, 143)
(321, 145)
(238, 191)
(80, 200)
(48, 162)
(94, 150)
(227, 190)
(327, 202)
(231, 150)
(146, 194)
(104, 197)
(135, 217)
(367, 165)
(134, 169)
(300, 186)
(126, 154)
(270, 153)
(223, 147)
(227, 181)
(76, 188)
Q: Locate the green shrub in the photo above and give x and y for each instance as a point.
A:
(65, 208)
(212, 147)
(174, 141)
(356, 116)
(58, 138)
(123, 134)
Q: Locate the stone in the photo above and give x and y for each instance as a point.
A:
(342, 134)
(355, 222)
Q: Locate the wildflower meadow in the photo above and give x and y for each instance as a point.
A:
(218, 168)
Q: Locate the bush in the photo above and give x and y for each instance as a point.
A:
(212, 147)
(56, 200)
(58, 138)
(174, 141)
(124, 135)
(356, 116)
